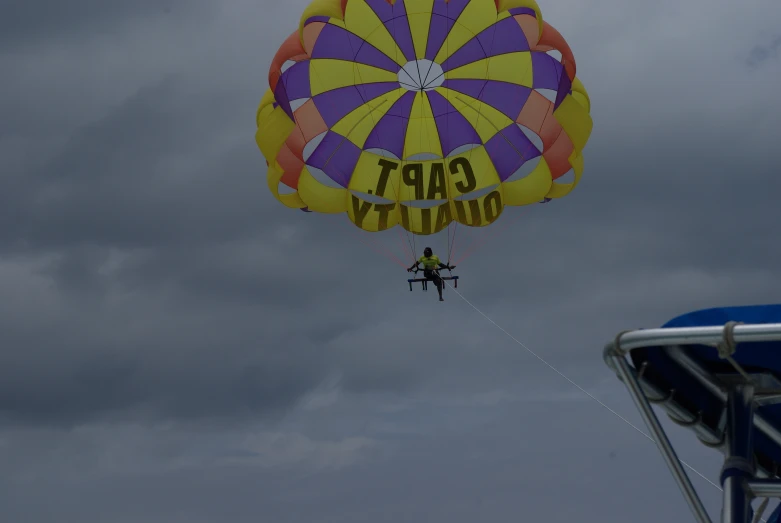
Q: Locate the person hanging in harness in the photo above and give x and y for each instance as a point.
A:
(431, 266)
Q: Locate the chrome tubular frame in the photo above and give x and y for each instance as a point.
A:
(740, 393)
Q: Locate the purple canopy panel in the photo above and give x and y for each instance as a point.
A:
(504, 37)
(443, 18)
(454, 129)
(296, 80)
(547, 71)
(509, 150)
(394, 17)
(337, 43)
(336, 156)
(338, 103)
(389, 133)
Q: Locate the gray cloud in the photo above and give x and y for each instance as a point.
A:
(507, 464)
(178, 343)
(764, 53)
(36, 22)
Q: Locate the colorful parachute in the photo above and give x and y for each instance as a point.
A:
(422, 112)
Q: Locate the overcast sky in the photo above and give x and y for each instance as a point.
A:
(177, 346)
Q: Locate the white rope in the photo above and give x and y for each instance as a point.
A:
(575, 384)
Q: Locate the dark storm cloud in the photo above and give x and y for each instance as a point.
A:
(110, 218)
(116, 182)
(211, 364)
(129, 204)
(518, 458)
(179, 343)
(25, 22)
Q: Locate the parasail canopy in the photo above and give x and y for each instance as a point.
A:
(420, 113)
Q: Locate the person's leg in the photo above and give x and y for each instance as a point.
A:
(433, 276)
(428, 275)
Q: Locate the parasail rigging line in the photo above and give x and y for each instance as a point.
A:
(545, 362)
